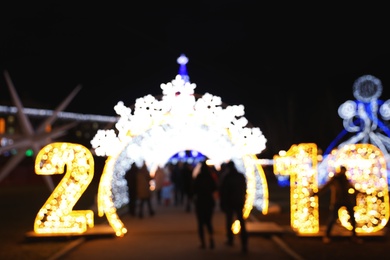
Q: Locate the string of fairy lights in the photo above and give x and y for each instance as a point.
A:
(61, 114)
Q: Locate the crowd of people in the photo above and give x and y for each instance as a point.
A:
(200, 188)
(203, 188)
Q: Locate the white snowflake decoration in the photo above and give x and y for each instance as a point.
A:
(159, 128)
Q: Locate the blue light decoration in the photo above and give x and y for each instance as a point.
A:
(190, 156)
(363, 120)
(283, 180)
(182, 61)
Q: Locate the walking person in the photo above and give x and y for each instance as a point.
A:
(167, 191)
(232, 200)
(187, 185)
(204, 189)
(131, 177)
(144, 193)
(341, 195)
(177, 181)
(159, 178)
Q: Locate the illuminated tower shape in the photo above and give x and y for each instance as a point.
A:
(183, 60)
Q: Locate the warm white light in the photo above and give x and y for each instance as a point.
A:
(63, 115)
(180, 120)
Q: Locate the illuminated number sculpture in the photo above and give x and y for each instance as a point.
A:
(300, 163)
(367, 170)
(57, 215)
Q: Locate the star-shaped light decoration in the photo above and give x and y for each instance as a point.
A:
(32, 138)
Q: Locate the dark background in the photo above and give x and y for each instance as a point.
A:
(291, 65)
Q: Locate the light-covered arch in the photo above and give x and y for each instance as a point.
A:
(157, 128)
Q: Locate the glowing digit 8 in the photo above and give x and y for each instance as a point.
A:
(56, 215)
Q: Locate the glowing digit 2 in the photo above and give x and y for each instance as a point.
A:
(57, 215)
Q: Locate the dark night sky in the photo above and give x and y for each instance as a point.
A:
(291, 66)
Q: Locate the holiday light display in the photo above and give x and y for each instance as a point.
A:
(365, 155)
(181, 120)
(57, 215)
(300, 163)
(156, 130)
(367, 171)
(363, 121)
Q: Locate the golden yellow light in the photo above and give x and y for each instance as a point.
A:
(251, 178)
(57, 215)
(367, 170)
(366, 167)
(300, 163)
(236, 227)
(105, 202)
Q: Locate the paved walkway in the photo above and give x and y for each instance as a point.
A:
(171, 234)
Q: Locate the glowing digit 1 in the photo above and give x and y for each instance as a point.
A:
(56, 215)
(300, 163)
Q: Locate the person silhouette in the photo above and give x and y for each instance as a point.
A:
(143, 190)
(177, 181)
(342, 195)
(187, 178)
(232, 200)
(204, 189)
(131, 177)
(159, 178)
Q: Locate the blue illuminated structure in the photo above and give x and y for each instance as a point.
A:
(190, 156)
(365, 118)
(182, 61)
